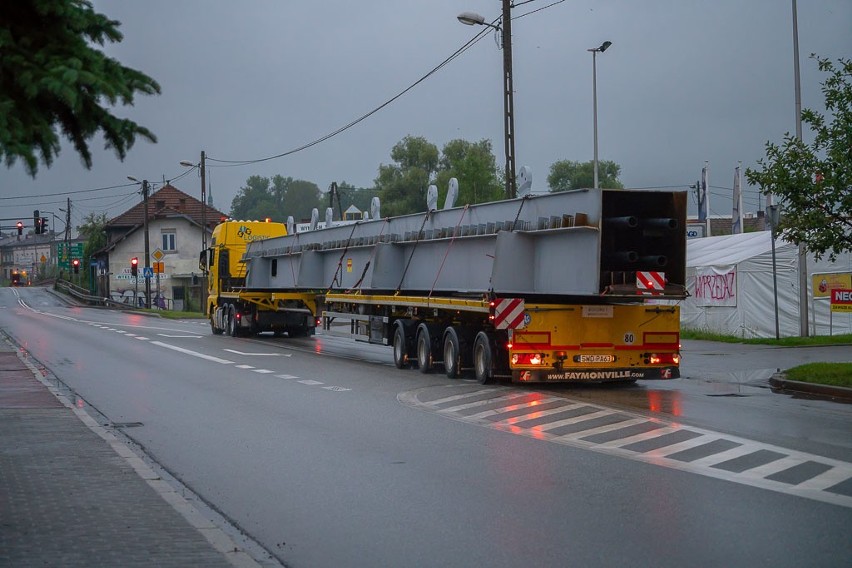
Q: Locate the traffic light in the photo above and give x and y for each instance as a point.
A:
(134, 266)
(44, 225)
(37, 222)
(20, 228)
(76, 264)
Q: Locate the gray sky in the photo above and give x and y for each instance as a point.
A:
(685, 81)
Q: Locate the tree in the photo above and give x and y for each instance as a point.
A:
(256, 201)
(52, 78)
(402, 186)
(276, 199)
(93, 231)
(360, 197)
(474, 166)
(301, 197)
(814, 181)
(565, 175)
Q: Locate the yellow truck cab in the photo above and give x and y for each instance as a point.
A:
(233, 308)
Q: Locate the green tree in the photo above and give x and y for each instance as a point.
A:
(52, 79)
(276, 198)
(93, 231)
(814, 181)
(255, 200)
(402, 185)
(474, 166)
(565, 175)
(301, 197)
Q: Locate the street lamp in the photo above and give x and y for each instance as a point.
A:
(595, 50)
(144, 183)
(471, 19)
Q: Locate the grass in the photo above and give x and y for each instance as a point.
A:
(845, 339)
(834, 374)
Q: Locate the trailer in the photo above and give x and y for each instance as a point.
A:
(578, 286)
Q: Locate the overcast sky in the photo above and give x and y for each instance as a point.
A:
(685, 81)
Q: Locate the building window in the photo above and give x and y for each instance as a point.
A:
(168, 241)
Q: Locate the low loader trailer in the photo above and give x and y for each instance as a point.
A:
(578, 286)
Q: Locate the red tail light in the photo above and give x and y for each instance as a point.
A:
(663, 359)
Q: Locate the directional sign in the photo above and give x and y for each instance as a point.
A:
(148, 272)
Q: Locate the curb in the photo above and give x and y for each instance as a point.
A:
(779, 381)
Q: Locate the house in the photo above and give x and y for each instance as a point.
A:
(174, 234)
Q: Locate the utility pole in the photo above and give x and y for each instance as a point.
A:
(147, 246)
(203, 203)
(508, 101)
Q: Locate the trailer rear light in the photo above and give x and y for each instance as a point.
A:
(527, 359)
(662, 359)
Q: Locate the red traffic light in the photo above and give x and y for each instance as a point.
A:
(134, 261)
(134, 266)
(75, 264)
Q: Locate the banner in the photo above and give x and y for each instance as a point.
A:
(715, 287)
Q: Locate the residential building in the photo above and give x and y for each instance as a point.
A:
(174, 232)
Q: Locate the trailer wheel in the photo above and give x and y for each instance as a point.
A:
(424, 348)
(226, 319)
(482, 358)
(400, 347)
(452, 353)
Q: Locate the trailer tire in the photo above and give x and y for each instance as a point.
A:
(400, 347)
(452, 353)
(425, 357)
(483, 358)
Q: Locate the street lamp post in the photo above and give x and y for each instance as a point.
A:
(595, 50)
(147, 243)
(470, 19)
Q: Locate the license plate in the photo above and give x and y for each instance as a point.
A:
(597, 358)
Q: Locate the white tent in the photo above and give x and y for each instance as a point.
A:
(731, 289)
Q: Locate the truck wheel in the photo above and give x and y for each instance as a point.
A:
(226, 319)
(452, 353)
(400, 347)
(232, 321)
(424, 348)
(213, 328)
(482, 358)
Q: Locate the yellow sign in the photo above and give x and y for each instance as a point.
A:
(348, 265)
(158, 255)
(158, 268)
(841, 300)
(823, 284)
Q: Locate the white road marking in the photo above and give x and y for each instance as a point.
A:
(190, 352)
(234, 351)
(310, 382)
(178, 336)
(287, 377)
(244, 367)
(263, 371)
(710, 449)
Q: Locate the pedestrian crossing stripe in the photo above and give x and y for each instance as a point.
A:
(641, 438)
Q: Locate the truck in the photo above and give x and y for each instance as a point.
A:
(236, 310)
(576, 286)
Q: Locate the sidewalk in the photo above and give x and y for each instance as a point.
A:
(72, 494)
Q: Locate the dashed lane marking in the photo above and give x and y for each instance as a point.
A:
(641, 438)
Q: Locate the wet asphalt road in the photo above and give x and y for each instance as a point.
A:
(329, 456)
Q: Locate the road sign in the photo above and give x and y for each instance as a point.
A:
(148, 272)
(841, 300)
(158, 268)
(158, 255)
(67, 251)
